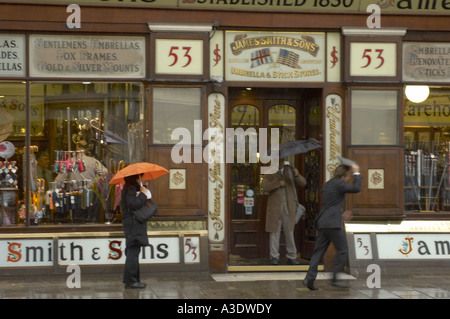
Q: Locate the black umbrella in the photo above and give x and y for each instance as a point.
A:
(346, 161)
(298, 147)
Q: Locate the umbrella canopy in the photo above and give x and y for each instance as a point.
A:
(111, 138)
(150, 171)
(298, 147)
(346, 161)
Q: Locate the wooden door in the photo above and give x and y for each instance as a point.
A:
(252, 111)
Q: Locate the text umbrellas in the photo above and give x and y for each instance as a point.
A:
(150, 171)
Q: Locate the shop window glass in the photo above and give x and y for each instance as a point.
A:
(81, 134)
(245, 178)
(374, 117)
(175, 108)
(427, 158)
(12, 144)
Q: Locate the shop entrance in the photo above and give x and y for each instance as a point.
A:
(297, 114)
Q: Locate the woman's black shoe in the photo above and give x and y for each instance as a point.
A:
(136, 285)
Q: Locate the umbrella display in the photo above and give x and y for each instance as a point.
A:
(298, 147)
(150, 171)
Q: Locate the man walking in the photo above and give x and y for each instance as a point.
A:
(329, 222)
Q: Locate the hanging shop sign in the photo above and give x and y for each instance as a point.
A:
(12, 55)
(333, 133)
(87, 56)
(346, 6)
(95, 251)
(216, 167)
(275, 56)
(434, 111)
(426, 62)
(370, 59)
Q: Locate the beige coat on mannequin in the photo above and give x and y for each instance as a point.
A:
(273, 185)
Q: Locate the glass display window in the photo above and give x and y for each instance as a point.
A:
(374, 117)
(81, 134)
(12, 148)
(427, 159)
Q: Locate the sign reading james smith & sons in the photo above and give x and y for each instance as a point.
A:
(426, 62)
(87, 56)
(275, 56)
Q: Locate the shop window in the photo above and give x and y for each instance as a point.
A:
(81, 134)
(427, 158)
(374, 117)
(176, 108)
(12, 141)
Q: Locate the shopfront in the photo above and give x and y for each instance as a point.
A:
(171, 82)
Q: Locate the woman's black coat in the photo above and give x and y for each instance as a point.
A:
(135, 232)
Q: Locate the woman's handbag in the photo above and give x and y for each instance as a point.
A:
(145, 212)
(300, 210)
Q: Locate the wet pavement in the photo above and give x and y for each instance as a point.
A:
(231, 286)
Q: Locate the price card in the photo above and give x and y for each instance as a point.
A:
(373, 59)
(179, 56)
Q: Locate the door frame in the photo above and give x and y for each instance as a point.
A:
(263, 99)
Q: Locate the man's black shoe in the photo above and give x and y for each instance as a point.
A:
(339, 284)
(309, 284)
(274, 261)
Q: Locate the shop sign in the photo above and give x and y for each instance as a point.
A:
(15, 105)
(275, 56)
(426, 62)
(179, 56)
(433, 111)
(345, 6)
(78, 56)
(413, 246)
(333, 133)
(334, 57)
(94, 251)
(12, 55)
(26, 253)
(216, 55)
(373, 59)
(216, 168)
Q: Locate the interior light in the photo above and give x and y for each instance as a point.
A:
(417, 93)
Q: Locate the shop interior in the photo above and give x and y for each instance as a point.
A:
(427, 150)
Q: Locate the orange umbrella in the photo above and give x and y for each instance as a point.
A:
(150, 171)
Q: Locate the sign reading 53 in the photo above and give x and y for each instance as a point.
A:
(373, 59)
(179, 56)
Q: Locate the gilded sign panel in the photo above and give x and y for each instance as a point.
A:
(275, 56)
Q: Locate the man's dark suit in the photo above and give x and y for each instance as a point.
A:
(329, 224)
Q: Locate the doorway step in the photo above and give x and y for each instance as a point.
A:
(240, 264)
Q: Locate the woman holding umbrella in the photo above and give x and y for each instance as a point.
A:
(134, 196)
(135, 231)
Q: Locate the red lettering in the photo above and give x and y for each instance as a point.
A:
(14, 255)
(115, 253)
